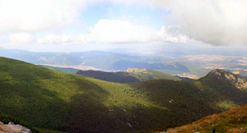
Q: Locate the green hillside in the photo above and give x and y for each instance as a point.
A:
(59, 101)
(127, 76)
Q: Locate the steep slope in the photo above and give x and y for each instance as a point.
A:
(232, 121)
(129, 75)
(59, 101)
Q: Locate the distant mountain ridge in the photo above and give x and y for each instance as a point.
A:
(124, 64)
(127, 76)
(106, 61)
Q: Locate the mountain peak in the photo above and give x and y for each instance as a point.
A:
(222, 75)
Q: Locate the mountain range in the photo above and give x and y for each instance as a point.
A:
(55, 100)
(107, 61)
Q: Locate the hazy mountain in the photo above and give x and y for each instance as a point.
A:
(106, 61)
(127, 76)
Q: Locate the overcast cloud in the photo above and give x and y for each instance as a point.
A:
(217, 22)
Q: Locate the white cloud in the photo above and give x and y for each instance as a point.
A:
(37, 15)
(118, 31)
(171, 34)
(20, 38)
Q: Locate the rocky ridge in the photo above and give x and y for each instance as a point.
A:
(236, 80)
(13, 128)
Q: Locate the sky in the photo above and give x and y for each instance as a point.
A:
(144, 26)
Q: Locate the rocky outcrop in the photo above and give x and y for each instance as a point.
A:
(13, 128)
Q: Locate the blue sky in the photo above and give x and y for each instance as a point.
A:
(143, 26)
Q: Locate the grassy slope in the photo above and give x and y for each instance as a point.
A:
(133, 75)
(54, 100)
(232, 121)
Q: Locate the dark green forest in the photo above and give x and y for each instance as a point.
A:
(127, 76)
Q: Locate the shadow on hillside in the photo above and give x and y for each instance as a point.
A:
(37, 102)
(32, 103)
(182, 99)
(225, 90)
(119, 77)
(89, 113)
(53, 100)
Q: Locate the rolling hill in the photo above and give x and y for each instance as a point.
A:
(127, 76)
(232, 121)
(55, 100)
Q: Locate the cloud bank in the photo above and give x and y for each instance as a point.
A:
(120, 32)
(217, 22)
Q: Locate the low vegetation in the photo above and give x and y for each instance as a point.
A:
(232, 121)
(55, 100)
